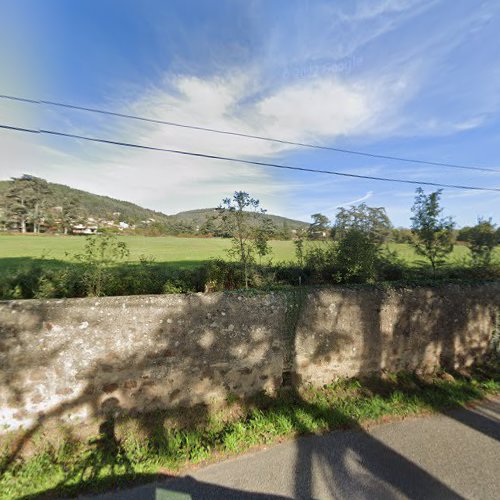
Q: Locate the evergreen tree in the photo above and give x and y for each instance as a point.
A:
(71, 213)
(318, 228)
(26, 202)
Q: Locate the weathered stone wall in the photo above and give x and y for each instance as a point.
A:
(75, 358)
(353, 332)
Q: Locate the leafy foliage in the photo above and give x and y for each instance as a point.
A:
(241, 217)
(356, 258)
(373, 221)
(482, 240)
(354, 255)
(99, 254)
(433, 233)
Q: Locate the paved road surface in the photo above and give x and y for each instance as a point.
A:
(456, 455)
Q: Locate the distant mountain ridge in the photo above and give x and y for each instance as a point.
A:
(100, 206)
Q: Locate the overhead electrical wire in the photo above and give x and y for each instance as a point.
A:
(240, 160)
(249, 136)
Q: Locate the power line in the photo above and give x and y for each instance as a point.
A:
(240, 160)
(249, 136)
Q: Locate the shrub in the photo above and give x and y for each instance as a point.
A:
(290, 274)
(482, 240)
(320, 263)
(356, 258)
(391, 267)
(99, 254)
(171, 286)
(21, 284)
(223, 275)
(433, 233)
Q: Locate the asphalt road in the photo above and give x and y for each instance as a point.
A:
(456, 455)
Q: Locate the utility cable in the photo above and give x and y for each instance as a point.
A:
(249, 136)
(240, 160)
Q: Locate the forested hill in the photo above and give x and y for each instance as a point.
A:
(199, 216)
(97, 206)
(103, 207)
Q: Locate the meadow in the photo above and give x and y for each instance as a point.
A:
(173, 251)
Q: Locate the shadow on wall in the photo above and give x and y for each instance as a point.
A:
(357, 331)
(364, 331)
(200, 348)
(135, 356)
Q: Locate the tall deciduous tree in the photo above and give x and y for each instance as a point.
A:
(242, 217)
(373, 221)
(433, 233)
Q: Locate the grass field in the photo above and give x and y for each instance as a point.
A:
(179, 252)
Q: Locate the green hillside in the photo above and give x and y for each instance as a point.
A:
(199, 216)
(103, 207)
(97, 206)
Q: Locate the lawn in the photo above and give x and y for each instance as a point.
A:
(179, 252)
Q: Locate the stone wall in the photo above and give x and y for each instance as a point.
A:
(74, 359)
(351, 332)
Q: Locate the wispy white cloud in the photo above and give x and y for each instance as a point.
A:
(369, 10)
(367, 196)
(321, 109)
(396, 89)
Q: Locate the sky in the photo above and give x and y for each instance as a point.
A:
(411, 78)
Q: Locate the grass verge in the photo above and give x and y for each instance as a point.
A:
(123, 455)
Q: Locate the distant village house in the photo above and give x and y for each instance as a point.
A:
(81, 229)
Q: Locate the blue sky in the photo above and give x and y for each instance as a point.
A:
(400, 77)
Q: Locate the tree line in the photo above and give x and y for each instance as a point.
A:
(356, 236)
(31, 204)
(351, 249)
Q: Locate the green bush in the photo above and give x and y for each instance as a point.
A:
(356, 258)
(22, 284)
(290, 274)
(391, 267)
(223, 275)
(319, 263)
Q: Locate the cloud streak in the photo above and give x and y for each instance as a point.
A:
(399, 89)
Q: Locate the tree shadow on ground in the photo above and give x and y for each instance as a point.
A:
(150, 382)
(106, 451)
(109, 394)
(444, 317)
(379, 471)
(382, 471)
